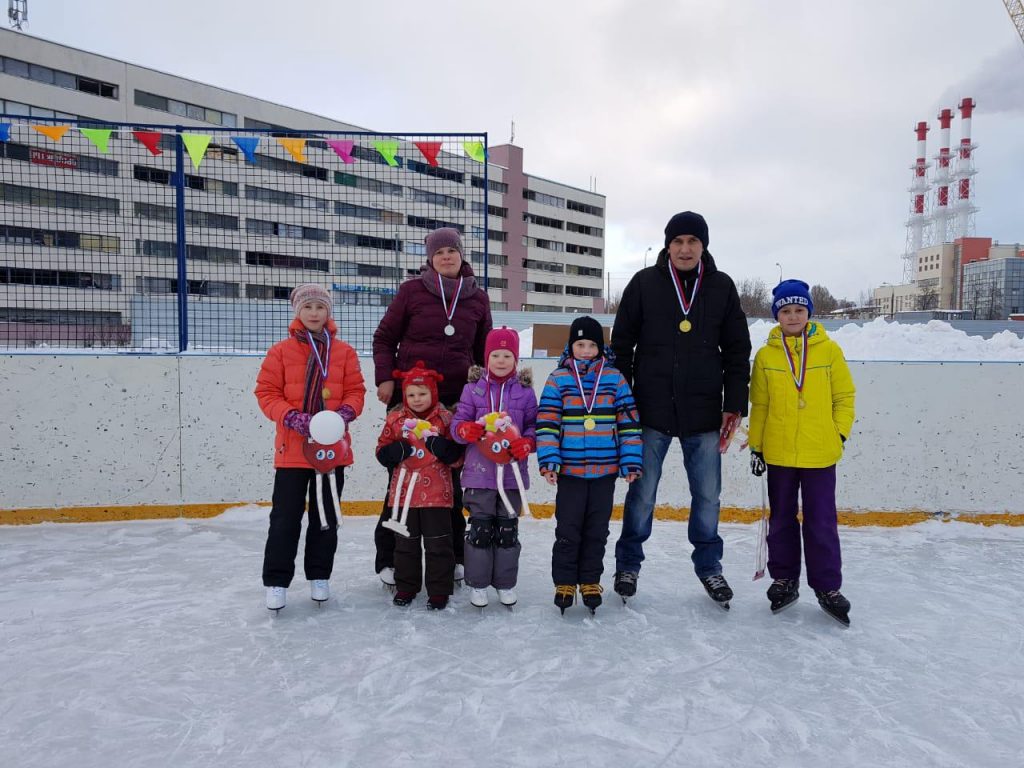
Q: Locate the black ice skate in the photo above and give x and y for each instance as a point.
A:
(437, 602)
(835, 605)
(565, 596)
(625, 584)
(783, 593)
(591, 596)
(403, 598)
(718, 590)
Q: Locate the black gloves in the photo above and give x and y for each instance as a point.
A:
(757, 465)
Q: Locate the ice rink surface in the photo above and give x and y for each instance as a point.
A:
(147, 644)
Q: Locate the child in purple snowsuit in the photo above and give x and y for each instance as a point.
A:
(492, 551)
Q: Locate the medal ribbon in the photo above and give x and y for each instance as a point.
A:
(501, 396)
(444, 301)
(677, 284)
(579, 383)
(324, 363)
(798, 380)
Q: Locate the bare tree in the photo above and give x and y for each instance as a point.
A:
(927, 298)
(612, 305)
(755, 298)
(824, 301)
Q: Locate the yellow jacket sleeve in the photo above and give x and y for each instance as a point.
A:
(843, 391)
(759, 399)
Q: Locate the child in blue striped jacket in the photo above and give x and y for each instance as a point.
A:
(588, 433)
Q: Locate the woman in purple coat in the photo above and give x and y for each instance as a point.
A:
(492, 557)
(441, 317)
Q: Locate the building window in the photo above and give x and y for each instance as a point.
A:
(573, 269)
(543, 221)
(583, 250)
(285, 261)
(426, 223)
(575, 290)
(199, 183)
(494, 186)
(294, 231)
(64, 160)
(58, 278)
(280, 165)
(435, 198)
(373, 156)
(494, 259)
(371, 185)
(593, 210)
(55, 238)
(541, 287)
(547, 245)
(547, 266)
(436, 171)
(584, 230)
(544, 199)
(57, 77)
(542, 308)
(366, 241)
(49, 198)
(291, 199)
(184, 109)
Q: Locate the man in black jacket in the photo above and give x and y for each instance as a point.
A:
(682, 342)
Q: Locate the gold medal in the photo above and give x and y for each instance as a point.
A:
(589, 424)
(327, 394)
(685, 326)
(801, 403)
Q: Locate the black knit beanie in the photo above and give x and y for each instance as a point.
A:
(687, 223)
(586, 328)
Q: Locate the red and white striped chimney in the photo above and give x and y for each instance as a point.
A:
(965, 208)
(941, 214)
(918, 197)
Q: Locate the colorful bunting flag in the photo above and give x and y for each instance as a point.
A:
(100, 137)
(295, 147)
(196, 144)
(5, 131)
(248, 146)
(150, 140)
(343, 149)
(52, 132)
(388, 150)
(475, 149)
(429, 150)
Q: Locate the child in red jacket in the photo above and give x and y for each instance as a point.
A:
(308, 372)
(417, 434)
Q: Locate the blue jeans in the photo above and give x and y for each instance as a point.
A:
(703, 465)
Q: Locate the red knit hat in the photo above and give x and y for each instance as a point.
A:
(501, 338)
(420, 376)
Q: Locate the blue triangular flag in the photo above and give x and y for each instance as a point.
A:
(248, 146)
(5, 131)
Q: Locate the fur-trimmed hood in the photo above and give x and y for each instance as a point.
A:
(524, 375)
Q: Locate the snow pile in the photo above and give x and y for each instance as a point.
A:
(934, 340)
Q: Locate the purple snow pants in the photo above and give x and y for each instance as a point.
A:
(817, 488)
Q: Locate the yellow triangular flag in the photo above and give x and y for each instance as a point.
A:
(52, 132)
(475, 149)
(196, 144)
(388, 150)
(98, 136)
(295, 148)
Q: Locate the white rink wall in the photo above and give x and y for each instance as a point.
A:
(100, 430)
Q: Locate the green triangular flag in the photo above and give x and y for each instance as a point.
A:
(196, 144)
(388, 150)
(475, 149)
(98, 136)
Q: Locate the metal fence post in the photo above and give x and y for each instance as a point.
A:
(487, 218)
(182, 249)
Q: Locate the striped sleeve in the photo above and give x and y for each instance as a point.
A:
(549, 426)
(631, 445)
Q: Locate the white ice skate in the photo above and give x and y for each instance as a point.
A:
(478, 598)
(320, 590)
(507, 597)
(460, 574)
(387, 578)
(276, 598)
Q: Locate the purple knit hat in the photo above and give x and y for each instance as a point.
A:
(310, 292)
(446, 237)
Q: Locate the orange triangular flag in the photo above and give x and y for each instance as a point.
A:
(429, 150)
(52, 132)
(295, 148)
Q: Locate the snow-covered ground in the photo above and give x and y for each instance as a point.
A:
(881, 340)
(147, 643)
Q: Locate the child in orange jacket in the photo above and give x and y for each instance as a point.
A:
(417, 437)
(308, 372)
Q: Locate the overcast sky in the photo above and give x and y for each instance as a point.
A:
(787, 123)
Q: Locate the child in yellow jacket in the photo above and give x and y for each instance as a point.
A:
(801, 396)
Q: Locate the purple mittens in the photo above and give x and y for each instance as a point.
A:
(347, 413)
(298, 421)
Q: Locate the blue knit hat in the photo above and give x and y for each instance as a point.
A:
(791, 292)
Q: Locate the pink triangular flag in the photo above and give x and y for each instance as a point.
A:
(343, 149)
